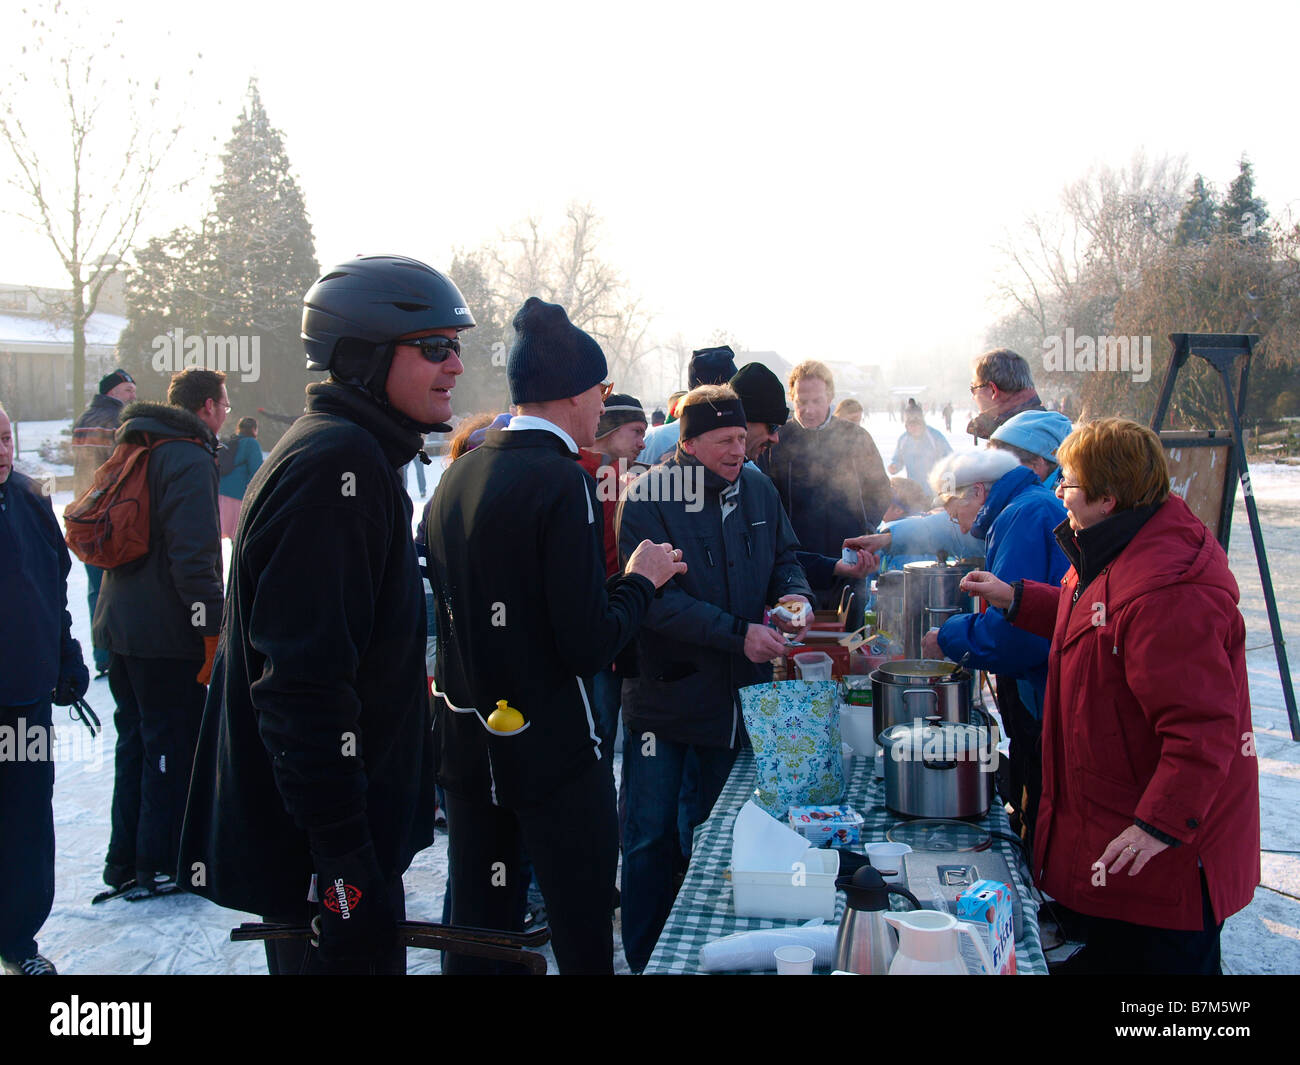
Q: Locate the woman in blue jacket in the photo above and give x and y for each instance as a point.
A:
(235, 476)
(998, 496)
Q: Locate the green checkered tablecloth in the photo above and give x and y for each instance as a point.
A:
(703, 911)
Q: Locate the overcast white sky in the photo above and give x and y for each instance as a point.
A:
(827, 180)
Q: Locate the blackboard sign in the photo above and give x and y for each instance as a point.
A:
(1202, 472)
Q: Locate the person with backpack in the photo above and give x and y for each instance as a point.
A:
(93, 440)
(239, 458)
(159, 616)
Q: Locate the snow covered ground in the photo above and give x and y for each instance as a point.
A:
(186, 934)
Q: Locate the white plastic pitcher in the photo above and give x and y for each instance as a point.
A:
(927, 944)
(813, 665)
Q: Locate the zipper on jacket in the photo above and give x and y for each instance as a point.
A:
(709, 555)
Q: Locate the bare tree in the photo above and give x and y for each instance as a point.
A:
(1073, 268)
(85, 185)
(564, 266)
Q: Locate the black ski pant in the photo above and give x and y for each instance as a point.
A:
(26, 829)
(572, 840)
(159, 707)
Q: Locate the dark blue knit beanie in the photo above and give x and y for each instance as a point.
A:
(551, 357)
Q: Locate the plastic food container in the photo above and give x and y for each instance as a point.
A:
(813, 665)
(805, 891)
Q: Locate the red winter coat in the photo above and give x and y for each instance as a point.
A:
(1148, 716)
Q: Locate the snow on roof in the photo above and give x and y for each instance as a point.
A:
(102, 330)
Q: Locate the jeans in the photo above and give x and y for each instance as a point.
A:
(26, 832)
(652, 781)
(419, 473)
(94, 577)
(607, 697)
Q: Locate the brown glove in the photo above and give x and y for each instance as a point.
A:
(209, 653)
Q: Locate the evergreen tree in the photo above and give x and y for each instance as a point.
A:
(1243, 214)
(1200, 218)
(483, 385)
(263, 259)
(165, 291)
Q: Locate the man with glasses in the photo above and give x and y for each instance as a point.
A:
(1001, 387)
(158, 618)
(313, 781)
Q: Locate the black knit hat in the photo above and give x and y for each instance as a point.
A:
(110, 381)
(620, 409)
(712, 366)
(761, 392)
(551, 357)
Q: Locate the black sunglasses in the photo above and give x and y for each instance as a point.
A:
(435, 349)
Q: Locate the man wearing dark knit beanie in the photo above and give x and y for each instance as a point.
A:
(709, 366)
(763, 397)
(703, 639)
(525, 614)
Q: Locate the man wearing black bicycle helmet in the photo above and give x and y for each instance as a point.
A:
(313, 782)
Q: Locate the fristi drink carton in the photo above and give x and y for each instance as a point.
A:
(986, 904)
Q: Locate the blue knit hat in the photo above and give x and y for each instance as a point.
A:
(1039, 432)
(551, 357)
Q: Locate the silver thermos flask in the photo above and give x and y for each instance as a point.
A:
(866, 944)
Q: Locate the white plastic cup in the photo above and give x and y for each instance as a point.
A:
(794, 961)
(887, 860)
(813, 665)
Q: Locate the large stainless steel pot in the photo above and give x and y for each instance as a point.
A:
(917, 688)
(940, 768)
(932, 587)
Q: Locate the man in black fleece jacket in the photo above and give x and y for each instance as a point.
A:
(516, 561)
(313, 783)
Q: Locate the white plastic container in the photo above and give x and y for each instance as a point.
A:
(813, 665)
(805, 892)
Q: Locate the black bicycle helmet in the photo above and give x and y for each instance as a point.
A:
(352, 315)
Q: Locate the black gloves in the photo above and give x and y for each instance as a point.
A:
(74, 677)
(356, 921)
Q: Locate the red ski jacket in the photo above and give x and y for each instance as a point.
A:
(1148, 717)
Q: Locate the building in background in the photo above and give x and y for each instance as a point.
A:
(36, 347)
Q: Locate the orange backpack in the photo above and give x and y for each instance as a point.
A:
(108, 524)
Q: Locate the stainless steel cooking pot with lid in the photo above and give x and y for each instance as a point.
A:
(916, 688)
(940, 768)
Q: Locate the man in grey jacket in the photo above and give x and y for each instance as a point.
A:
(702, 639)
(159, 618)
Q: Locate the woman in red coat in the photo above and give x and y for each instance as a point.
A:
(1149, 823)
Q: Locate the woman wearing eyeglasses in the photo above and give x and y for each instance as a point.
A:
(1149, 820)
